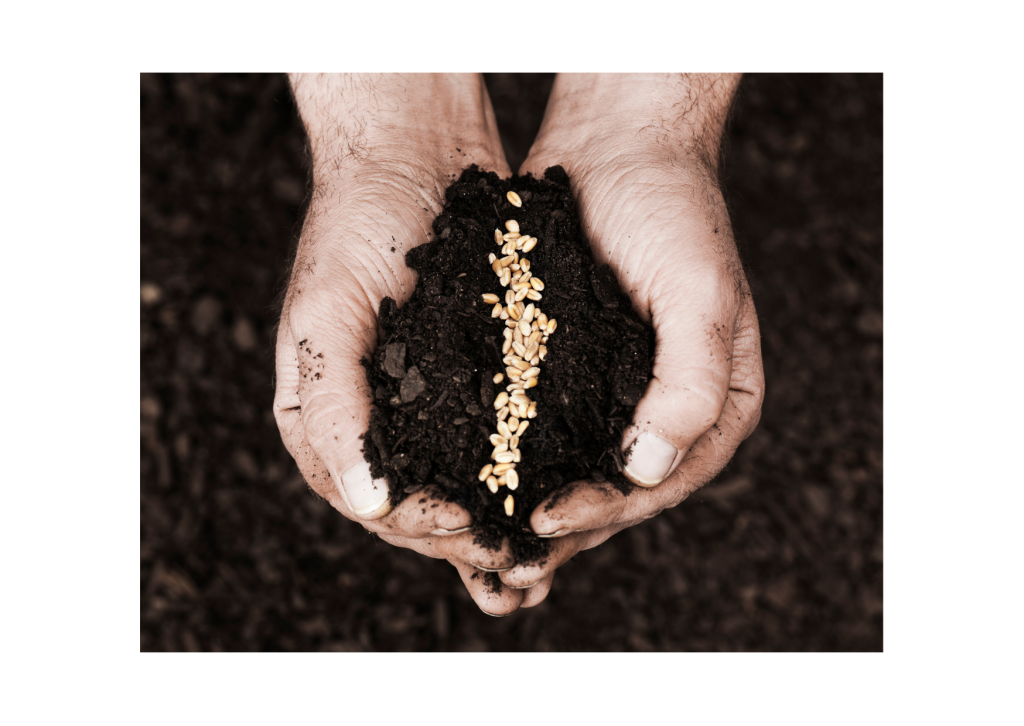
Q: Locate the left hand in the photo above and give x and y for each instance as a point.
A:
(652, 209)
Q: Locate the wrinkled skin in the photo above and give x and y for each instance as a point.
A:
(648, 200)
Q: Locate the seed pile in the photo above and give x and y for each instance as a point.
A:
(447, 356)
(526, 334)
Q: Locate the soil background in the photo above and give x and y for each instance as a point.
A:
(782, 552)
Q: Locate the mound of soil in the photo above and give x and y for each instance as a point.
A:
(434, 367)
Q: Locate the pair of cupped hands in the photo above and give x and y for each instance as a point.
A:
(641, 153)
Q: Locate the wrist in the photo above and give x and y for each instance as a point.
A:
(426, 126)
(652, 118)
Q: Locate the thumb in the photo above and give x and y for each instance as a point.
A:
(693, 362)
(333, 332)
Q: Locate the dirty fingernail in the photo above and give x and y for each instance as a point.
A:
(493, 615)
(523, 587)
(649, 459)
(492, 569)
(368, 497)
(557, 533)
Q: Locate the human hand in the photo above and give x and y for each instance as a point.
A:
(384, 149)
(642, 155)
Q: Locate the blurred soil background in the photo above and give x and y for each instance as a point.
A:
(782, 553)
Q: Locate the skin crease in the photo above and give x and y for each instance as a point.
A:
(643, 176)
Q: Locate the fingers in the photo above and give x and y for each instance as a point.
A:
(535, 595)
(527, 575)
(586, 506)
(488, 592)
(461, 547)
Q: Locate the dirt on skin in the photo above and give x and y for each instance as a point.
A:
(433, 370)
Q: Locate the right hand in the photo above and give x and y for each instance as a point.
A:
(380, 171)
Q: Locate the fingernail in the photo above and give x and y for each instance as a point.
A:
(493, 615)
(442, 532)
(524, 587)
(557, 533)
(367, 497)
(491, 569)
(649, 459)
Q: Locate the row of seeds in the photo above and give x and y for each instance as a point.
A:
(526, 333)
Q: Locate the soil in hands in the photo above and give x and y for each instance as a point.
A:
(432, 373)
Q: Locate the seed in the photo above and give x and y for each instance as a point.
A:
(491, 258)
(510, 297)
(525, 265)
(531, 294)
(531, 411)
(507, 260)
(506, 346)
(503, 313)
(542, 351)
(514, 199)
(511, 236)
(530, 383)
(502, 468)
(521, 428)
(508, 334)
(552, 326)
(503, 413)
(524, 327)
(514, 266)
(496, 266)
(496, 310)
(498, 448)
(513, 311)
(531, 349)
(517, 386)
(496, 440)
(535, 335)
(512, 481)
(523, 409)
(534, 361)
(510, 503)
(517, 286)
(509, 248)
(518, 398)
(514, 374)
(517, 456)
(518, 348)
(489, 298)
(498, 378)
(513, 424)
(530, 244)
(504, 430)
(520, 366)
(531, 373)
(512, 225)
(492, 484)
(514, 443)
(537, 283)
(502, 479)
(505, 457)
(497, 236)
(501, 400)
(484, 473)
(529, 312)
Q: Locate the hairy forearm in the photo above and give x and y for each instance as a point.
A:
(680, 114)
(434, 120)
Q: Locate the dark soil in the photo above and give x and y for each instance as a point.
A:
(433, 370)
(782, 552)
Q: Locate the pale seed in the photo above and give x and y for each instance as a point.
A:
(513, 311)
(502, 479)
(530, 244)
(512, 481)
(524, 327)
(496, 266)
(504, 430)
(521, 365)
(518, 398)
(496, 310)
(503, 413)
(498, 448)
(514, 199)
(530, 383)
(523, 409)
(489, 298)
(531, 411)
(552, 326)
(535, 325)
(515, 266)
(534, 361)
(516, 456)
(505, 457)
(502, 468)
(484, 473)
(514, 374)
(510, 297)
(497, 236)
(509, 248)
(517, 386)
(511, 236)
(537, 283)
(535, 335)
(522, 427)
(492, 484)
(518, 348)
(491, 258)
(525, 265)
(513, 424)
(530, 294)
(510, 503)
(498, 378)
(531, 373)
(496, 440)
(512, 324)
(501, 400)
(531, 350)
(526, 277)
(503, 314)
(512, 225)
(542, 351)
(529, 312)
(514, 443)
(507, 260)
(506, 346)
